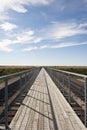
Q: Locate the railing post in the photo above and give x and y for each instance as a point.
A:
(20, 81)
(85, 85)
(69, 87)
(6, 103)
(58, 79)
(25, 78)
(63, 84)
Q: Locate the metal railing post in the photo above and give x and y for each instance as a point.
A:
(6, 103)
(63, 84)
(58, 79)
(69, 87)
(85, 85)
(25, 78)
(20, 81)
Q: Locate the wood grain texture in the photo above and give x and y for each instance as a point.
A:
(35, 112)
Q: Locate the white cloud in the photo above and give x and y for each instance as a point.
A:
(61, 45)
(29, 32)
(5, 48)
(36, 2)
(37, 40)
(83, 25)
(44, 47)
(25, 37)
(30, 48)
(57, 31)
(67, 44)
(4, 45)
(28, 37)
(35, 48)
(18, 5)
(54, 33)
(19, 8)
(7, 26)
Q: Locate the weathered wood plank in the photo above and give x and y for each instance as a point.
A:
(16, 118)
(35, 113)
(64, 110)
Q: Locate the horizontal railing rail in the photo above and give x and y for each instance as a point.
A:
(23, 78)
(74, 88)
(71, 73)
(15, 74)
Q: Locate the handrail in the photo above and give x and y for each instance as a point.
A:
(61, 79)
(14, 74)
(6, 79)
(71, 73)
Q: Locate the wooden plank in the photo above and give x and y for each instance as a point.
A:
(68, 123)
(41, 106)
(17, 121)
(16, 118)
(65, 109)
(36, 113)
(56, 109)
(69, 111)
(46, 121)
(33, 110)
(27, 114)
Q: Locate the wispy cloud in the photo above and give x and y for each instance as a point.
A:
(83, 25)
(6, 26)
(4, 45)
(31, 48)
(19, 5)
(44, 47)
(57, 31)
(28, 36)
(36, 48)
(68, 44)
(56, 46)
(37, 40)
(22, 38)
(54, 33)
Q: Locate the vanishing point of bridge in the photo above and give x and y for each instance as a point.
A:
(43, 99)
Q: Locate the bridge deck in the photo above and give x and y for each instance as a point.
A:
(45, 108)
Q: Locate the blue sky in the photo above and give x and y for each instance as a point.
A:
(43, 32)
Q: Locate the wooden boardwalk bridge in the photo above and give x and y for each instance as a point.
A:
(45, 108)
